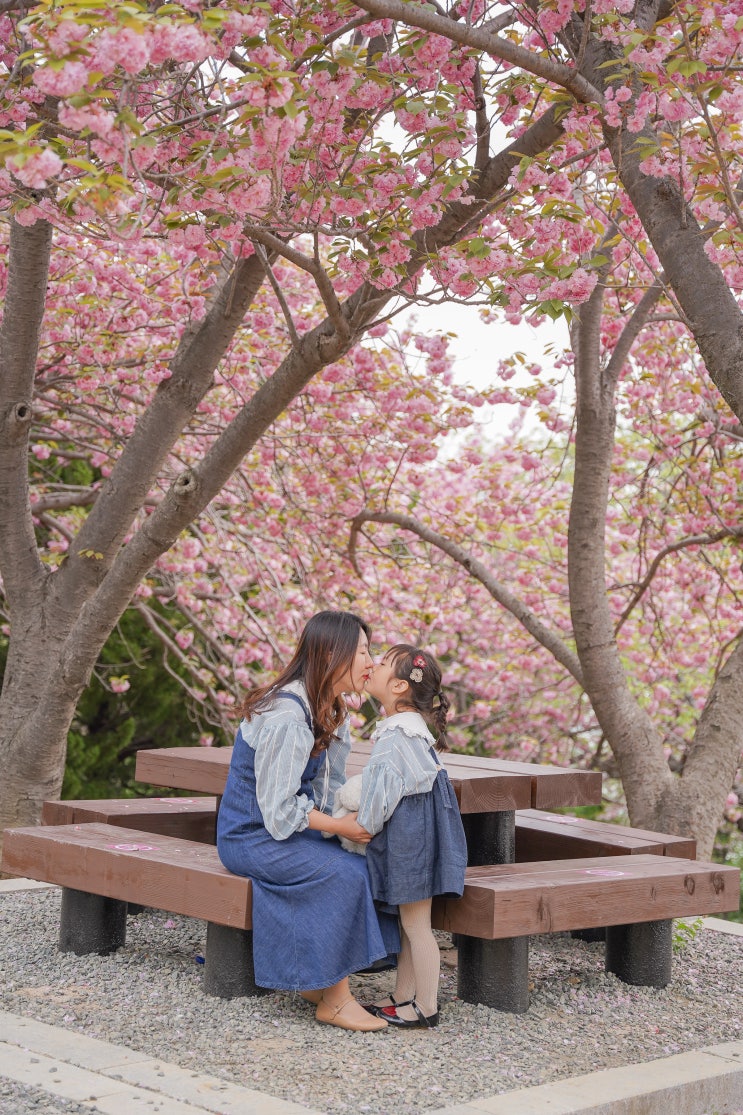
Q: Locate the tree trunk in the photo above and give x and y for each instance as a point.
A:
(32, 647)
(690, 805)
(632, 736)
(694, 802)
(31, 774)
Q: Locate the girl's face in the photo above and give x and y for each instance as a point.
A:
(385, 686)
(355, 677)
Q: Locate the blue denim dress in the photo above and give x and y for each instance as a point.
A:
(422, 851)
(314, 918)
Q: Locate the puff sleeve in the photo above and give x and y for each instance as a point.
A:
(282, 748)
(399, 766)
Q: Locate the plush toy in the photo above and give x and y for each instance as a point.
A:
(347, 800)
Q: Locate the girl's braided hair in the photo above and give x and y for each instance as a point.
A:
(423, 674)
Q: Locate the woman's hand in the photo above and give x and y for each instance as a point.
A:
(346, 826)
(352, 830)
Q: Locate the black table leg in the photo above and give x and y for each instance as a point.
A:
(491, 837)
(494, 973)
(228, 962)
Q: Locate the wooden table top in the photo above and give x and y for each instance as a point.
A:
(482, 785)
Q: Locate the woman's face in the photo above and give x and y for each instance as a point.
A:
(356, 676)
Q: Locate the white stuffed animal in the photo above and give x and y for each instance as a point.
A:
(347, 800)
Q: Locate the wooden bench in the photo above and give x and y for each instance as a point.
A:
(547, 836)
(103, 867)
(634, 897)
(186, 818)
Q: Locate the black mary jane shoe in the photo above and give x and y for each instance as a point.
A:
(425, 1021)
(373, 1008)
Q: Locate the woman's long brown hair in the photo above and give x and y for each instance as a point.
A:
(326, 650)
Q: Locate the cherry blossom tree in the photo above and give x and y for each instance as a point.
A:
(534, 157)
(627, 574)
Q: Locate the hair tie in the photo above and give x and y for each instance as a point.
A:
(419, 665)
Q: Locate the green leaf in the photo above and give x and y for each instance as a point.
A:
(524, 165)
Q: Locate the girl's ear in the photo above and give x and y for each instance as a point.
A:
(399, 686)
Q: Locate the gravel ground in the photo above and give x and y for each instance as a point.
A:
(15, 1099)
(147, 997)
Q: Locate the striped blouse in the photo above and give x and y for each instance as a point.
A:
(401, 764)
(282, 743)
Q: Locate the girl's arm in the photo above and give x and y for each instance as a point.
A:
(382, 784)
(399, 765)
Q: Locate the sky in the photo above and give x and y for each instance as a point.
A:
(478, 347)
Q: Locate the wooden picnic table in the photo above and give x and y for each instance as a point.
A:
(489, 791)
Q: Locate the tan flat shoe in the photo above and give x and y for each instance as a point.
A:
(333, 1016)
(311, 996)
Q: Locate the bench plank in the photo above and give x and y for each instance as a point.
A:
(547, 836)
(513, 900)
(181, 876)
(186, 818)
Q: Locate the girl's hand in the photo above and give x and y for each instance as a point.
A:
(349, 827)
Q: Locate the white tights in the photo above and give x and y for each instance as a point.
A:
(418, 965)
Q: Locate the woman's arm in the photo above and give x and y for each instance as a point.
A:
(339, 826)
(282, 749)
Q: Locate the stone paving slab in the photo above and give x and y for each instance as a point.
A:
(707, 1082)
(118, 1081)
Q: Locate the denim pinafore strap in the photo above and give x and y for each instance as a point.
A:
(294, 697)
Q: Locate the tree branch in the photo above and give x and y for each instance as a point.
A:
(62, 502)
(276, 287)
(671, 548)
(170, 647)
(550, 640)
(418, 15)
(632, 330)
(161, 424)
(312, 266)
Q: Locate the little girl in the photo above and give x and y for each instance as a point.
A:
(407, 803)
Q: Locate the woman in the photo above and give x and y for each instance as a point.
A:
(314, 919)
